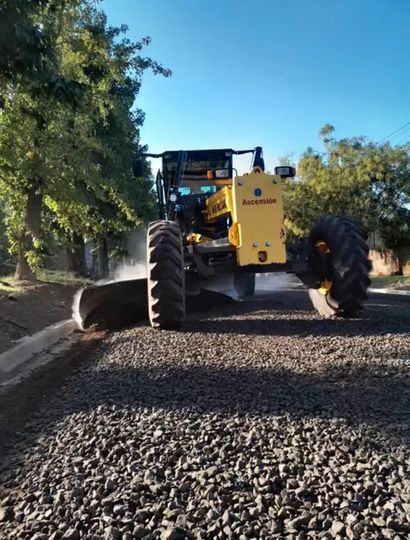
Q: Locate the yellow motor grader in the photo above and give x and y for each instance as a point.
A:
(214, 224)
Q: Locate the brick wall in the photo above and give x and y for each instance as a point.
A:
(385, 262)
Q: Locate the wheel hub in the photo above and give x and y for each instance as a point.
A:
(323, 263)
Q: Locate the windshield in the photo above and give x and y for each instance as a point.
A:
(198, 164)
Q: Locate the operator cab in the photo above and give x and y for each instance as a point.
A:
(189, 177)
(204, 171)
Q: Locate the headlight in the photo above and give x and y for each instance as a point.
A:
(285, 172)
(221, 173)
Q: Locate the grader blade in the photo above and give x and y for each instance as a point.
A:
(117, 305)
(113, 305)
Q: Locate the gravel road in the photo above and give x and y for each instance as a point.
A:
(259, 420)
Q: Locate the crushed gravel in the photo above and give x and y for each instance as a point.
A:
(258, 420)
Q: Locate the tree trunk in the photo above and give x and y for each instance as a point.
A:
(103, 256)
(76, 256)
(23, 270)
(401, 260)
(32, 221)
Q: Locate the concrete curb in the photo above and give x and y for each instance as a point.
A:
(28, 346)
(390, 291)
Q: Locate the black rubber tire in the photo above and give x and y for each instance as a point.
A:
(165, 275)
(244, 284)
(348, 266)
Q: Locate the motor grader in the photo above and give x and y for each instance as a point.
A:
(217, 226)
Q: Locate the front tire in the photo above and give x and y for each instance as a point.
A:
(165, 275)
(338, 255)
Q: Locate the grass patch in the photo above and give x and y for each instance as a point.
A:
(10, 285)
(391, 282)
(62, 278)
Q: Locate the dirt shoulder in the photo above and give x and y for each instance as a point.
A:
(28, 308)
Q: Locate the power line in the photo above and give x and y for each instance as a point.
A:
(402, 135)
(394, 132)
(402, 138)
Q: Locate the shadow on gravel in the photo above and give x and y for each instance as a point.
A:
(378, 397)
(37, 390)
(379, 318)
(299, 327)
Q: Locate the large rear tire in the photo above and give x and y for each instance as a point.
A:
(338, 255)
(244, 284)
(165, 273)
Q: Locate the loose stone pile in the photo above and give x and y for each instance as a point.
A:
(256, 421)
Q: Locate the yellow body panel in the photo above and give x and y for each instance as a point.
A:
(258, 215)
(254, 202)
(219, 204)
(235, 235)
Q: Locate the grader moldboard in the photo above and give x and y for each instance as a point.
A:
(216, 225)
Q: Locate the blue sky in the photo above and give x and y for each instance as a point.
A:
(270, 72)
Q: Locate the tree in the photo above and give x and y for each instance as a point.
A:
(68, 141)
(353, 177)
(395, 232)
(114, 200)
(32, 89)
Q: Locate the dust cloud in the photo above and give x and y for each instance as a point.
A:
(130, 271)
(75, 309)
(131, 267)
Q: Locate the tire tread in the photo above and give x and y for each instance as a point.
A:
(350, 262)
(166, 275)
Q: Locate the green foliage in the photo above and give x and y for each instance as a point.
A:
(23, 44)
(63, 278)
(30, 34)
(69, 132)
(353, 177)
(395, 228)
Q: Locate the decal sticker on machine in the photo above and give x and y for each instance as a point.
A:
(252, 202)
(218, 206)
